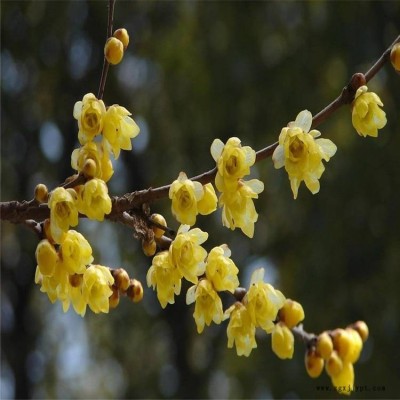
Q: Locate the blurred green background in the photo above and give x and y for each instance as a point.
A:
(195, 71)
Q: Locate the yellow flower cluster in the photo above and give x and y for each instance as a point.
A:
(66, 274)
(190, 198)
(367, 117)
(259, 308)
(338, 350)
(220, 275)
(301, 153)
(233, 163)
(184, 259)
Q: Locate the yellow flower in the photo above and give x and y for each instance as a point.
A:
(367, 117)
(241, 331)
(208, 203)
(53, 285)
(164, 276)
(185, 194)
(90, 113)
(75, 253)
(208, 305)
(291, 313)
(119, 128)
(221, 271)
(344, 380)
(238, 207)
(93, 200)
(186, 253)
(301, 154)
(63, 212)
(233, 161)
(96, 288)
(46, 258)
(93, 151)
(282, 341)
(263, 301)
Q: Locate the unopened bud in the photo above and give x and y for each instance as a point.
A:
(291, 313)
(46, 257)
(113, 300)
(149, 247)
(334, 364)
(159, 219)
(342, 342)
(362, 328)
(135, 291)
(324, 346)
(314, 364)
(122, 35)
(395, 56)
(113, 50)
(121, 279)
(41, 193)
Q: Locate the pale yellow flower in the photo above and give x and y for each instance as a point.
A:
(63, 212)
(238, 206)
(46, 258)
(119, 129)
(165, 277)
(208, 203)
(93, 199)
(263, 301)
(301, 154)
(75, 253)
(282, 341)
(185, 194)
(221, 271)
(93, 151)
(90, 113)
(233, 161)
(241, 330)
(367, 117)
(187, 255)
(208, 306)
(96, 288)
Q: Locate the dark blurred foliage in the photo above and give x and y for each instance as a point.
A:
(195, 71)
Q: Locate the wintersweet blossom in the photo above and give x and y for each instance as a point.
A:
(241, 330)
(93, 199)
(90, 113)
(46, 257)
(233, 161)
(165, 277)
(367, 117)
(187, 254)
(282, 341)
(263, 301)
(208, 305)
(238, 206)
(63, 212)
(344, 380)
(301, 153)
(75, 253)
(185, 194)
(119, 128)
(208, 203)
(96, 288)
(221, 271)
(93, 151)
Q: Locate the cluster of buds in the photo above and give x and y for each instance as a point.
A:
(116, 45)
(149, 245)
(338, 350)
(125, 286)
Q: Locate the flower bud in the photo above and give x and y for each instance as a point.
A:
(159, 219)
(149, 247)
(334, 364)
(121, 279)
(314, 364)
(395, 57)
(291, 313)
(342, 343)
(41, 193)
(324, 346)
(356, 346)
(89, 168)
(113, 50)
(362, 328)
(113, 300)
(122, 35)
(46, 257)
(135, 290)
